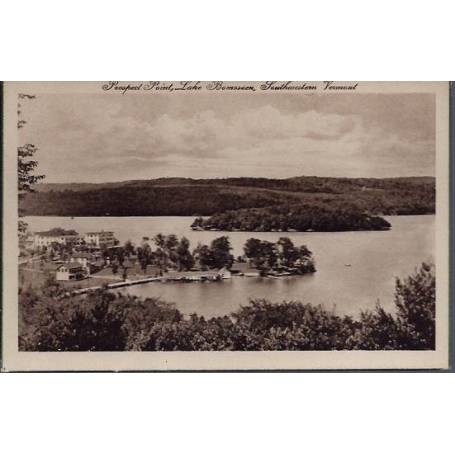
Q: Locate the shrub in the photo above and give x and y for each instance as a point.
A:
(104, 321)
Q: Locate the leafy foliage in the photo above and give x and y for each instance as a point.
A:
(294, 218)
(25, 167)
(215, 256)
(266, 255)
(104, 321)
(25, 164)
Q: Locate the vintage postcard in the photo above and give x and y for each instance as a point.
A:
(211, 225)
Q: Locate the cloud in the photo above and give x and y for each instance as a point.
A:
(101, 138)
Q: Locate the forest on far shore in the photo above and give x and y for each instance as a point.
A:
(207, 197)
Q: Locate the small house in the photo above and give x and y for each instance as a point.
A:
(70, 271)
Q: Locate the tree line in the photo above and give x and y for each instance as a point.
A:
(105, 321)
(147, 201)
(187, 197)
(170, 252)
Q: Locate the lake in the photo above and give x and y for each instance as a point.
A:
(375, 258)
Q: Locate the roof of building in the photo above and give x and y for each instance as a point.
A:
(56, 232)
(51, 266)
(99, 232)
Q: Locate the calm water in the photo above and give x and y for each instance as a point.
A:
(376, 258)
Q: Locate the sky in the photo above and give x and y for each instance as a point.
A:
(106, 138)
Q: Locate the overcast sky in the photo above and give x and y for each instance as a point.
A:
(104, 137)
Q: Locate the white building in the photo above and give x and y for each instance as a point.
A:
(101, 238)
(70, 271)
(56, 235)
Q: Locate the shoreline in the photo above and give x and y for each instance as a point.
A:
(165, 280)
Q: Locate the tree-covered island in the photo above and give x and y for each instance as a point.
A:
(289, 218)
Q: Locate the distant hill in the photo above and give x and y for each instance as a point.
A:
(182, 196)
(305, 183)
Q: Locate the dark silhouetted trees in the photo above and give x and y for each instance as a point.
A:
(266, 255)
(285, 218)
(104, 321)
(187, 197)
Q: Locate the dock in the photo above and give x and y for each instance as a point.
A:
(121, 284)
(190, 276)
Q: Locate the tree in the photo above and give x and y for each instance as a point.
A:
(160, 253)
(128, 248)
(220, 249)
(185, 260)
(252, 248)
(23, 232)
(203, 255)
(170, 246)
(413, 326)
(270, 254)
(198, 222)
(288, 253)
(51, 324)
(147, 253)
(25, 165)
(120, 255)
(262, 254)
(415, 300)
(160, 240)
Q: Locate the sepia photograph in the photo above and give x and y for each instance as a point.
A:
(227, 225)
(258, 260)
